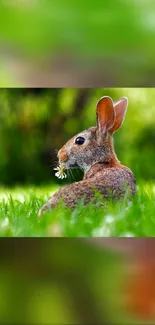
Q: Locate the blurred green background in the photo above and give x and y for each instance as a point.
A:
(63, 282)
(64, 43)
(35, 122)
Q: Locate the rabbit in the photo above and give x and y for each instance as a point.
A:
(92, 150)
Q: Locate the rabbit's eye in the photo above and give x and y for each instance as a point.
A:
(79, 140)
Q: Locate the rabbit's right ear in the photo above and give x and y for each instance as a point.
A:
(120, 107)
(105, 115)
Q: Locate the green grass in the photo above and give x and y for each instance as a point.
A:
(19, 215)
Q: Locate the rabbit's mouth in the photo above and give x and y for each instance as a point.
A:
(75, 165)
(69, 165)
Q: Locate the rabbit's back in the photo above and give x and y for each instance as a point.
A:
(116, 179)
(110, 182)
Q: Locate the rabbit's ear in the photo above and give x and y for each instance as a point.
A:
(105, 114)
(120, 107)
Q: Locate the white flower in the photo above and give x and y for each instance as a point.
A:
(60, 172)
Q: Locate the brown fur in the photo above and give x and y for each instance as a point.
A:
(102, 170)
(64, 156)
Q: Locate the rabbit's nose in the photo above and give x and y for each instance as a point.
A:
(62, 155)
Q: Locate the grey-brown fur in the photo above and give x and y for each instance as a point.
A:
(102, 170)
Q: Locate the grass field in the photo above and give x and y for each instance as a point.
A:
(19, 215)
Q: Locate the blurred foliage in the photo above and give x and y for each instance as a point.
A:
(57, 281)
(49, 15)
(35, 122)
(100, 42)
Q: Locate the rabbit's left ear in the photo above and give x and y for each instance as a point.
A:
(120, 107)
(105, 114)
